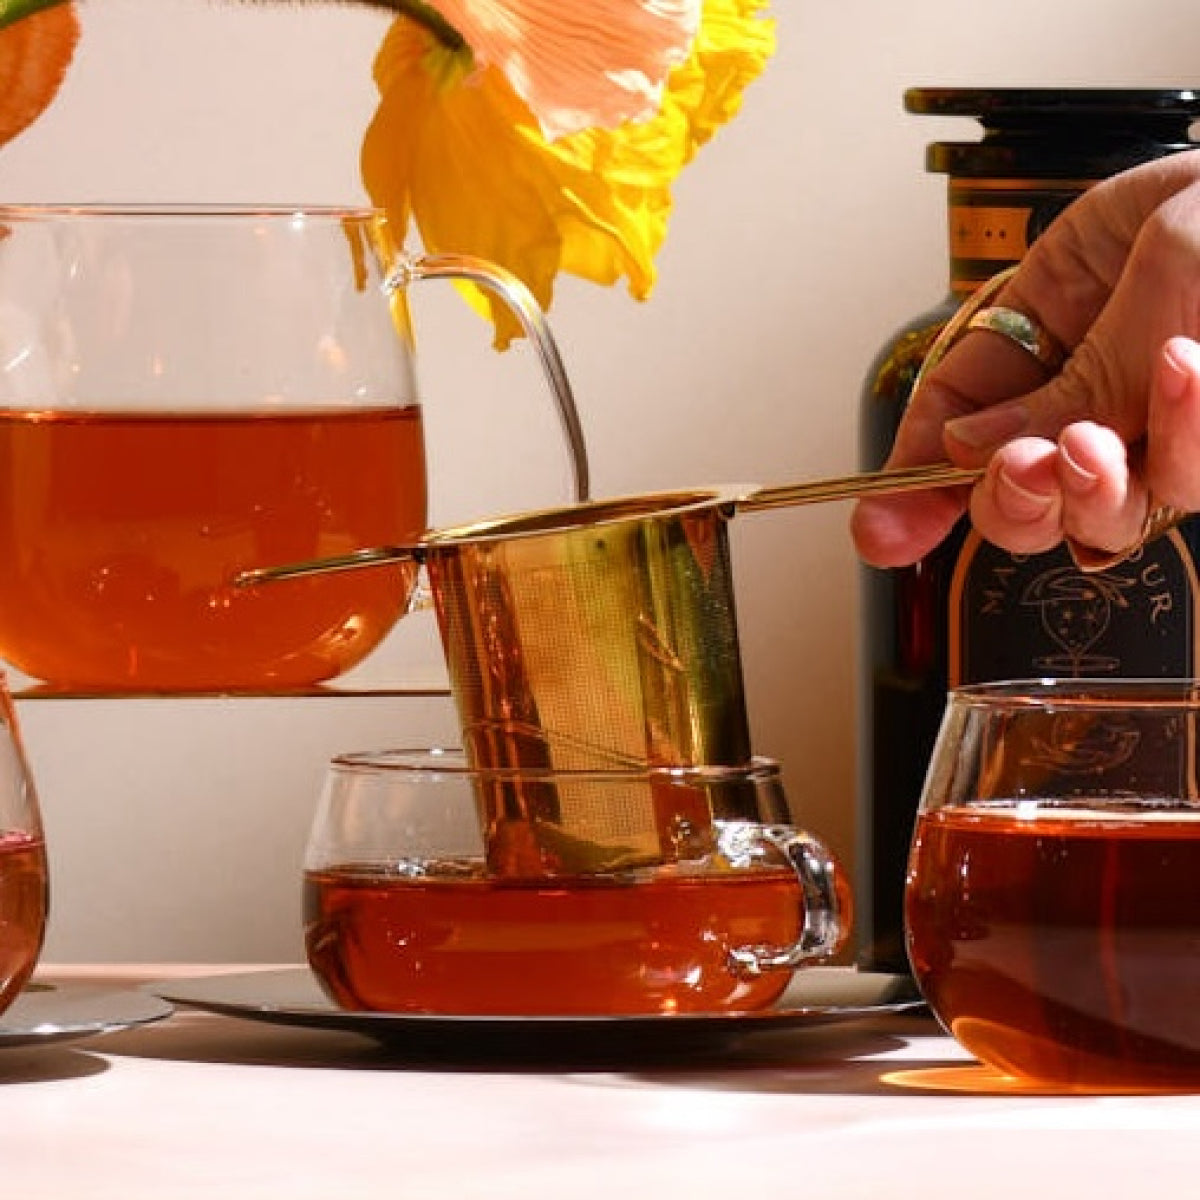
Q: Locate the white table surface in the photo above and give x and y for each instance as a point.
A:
(201, 1105)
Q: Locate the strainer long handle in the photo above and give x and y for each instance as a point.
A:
(908, 479)
(521, 301)
(901, 479)
(372, 556)
(845, 487)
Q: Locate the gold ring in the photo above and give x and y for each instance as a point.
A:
(1024, 331)
(1159, 519)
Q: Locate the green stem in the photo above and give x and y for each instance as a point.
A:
(428, 16)
(417, 10)
(12, 11)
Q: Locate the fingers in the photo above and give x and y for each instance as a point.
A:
(1036, 492)
(898, 530)
(1112, 282)
(983, 368)
(1018, 503)
(1104, 503)
(1116, 277)
(1069, 281)
(1173, 441)
(1068, 276)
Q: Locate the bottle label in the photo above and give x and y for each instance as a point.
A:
(983, 232)
(1025, 616)
(992, 223)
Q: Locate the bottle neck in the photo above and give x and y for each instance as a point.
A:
(993, 222)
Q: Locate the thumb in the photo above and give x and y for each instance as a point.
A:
(1173, 426)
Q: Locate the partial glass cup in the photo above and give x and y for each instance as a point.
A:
(1053, 897)
(426, 889)
(24, 872)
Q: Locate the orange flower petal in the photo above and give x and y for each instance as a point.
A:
(34, 55)
(579, 64)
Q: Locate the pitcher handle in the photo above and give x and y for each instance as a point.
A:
(520, 300)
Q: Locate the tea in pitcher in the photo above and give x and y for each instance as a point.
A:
(23, 904)
(121, 534)
(460, 942)
(1059, 941)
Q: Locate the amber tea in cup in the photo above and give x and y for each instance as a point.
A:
(1053, 893)
(24, 890)
(405, 913)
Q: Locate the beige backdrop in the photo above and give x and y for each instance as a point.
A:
(804, 234)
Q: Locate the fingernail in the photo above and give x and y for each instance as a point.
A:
(1181, 365)
(1019, 503)
(990, 426)
(1077, 479)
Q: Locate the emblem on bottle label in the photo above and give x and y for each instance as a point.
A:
(1028, 616)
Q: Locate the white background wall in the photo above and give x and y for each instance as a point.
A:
(803, 235)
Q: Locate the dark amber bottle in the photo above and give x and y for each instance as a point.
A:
(969, 612)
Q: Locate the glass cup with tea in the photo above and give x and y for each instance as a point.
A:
(1052, 904)
(427, 889)
(24, 890)
(189, 392)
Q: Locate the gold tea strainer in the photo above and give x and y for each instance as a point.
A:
(601, 635)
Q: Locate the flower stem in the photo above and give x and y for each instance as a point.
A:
(417, 10)
(425, 14)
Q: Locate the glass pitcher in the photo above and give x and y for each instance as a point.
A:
(188, 392)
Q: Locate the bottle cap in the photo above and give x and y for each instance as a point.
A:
(1058, 133)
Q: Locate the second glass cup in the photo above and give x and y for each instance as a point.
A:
(24, 885)
(1053, 896)
(428, 889)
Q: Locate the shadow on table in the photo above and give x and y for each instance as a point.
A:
(808, 1058)
(47, 1064)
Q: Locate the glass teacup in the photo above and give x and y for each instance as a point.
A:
(24, 890)
(418, 895)
(1053, 894)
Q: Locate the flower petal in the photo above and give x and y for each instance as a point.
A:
(453, 156)
(732, 50)
(579, 64)
(34, 55)
(458, 152)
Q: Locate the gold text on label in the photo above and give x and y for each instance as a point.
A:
(996, 234)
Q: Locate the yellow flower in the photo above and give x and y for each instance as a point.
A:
(457, 152)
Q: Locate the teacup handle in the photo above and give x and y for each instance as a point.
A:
(520, 300)
(825, 923)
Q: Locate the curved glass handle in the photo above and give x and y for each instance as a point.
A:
(520, 300)
(824, 906)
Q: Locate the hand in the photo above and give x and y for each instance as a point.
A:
(1085, 454)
